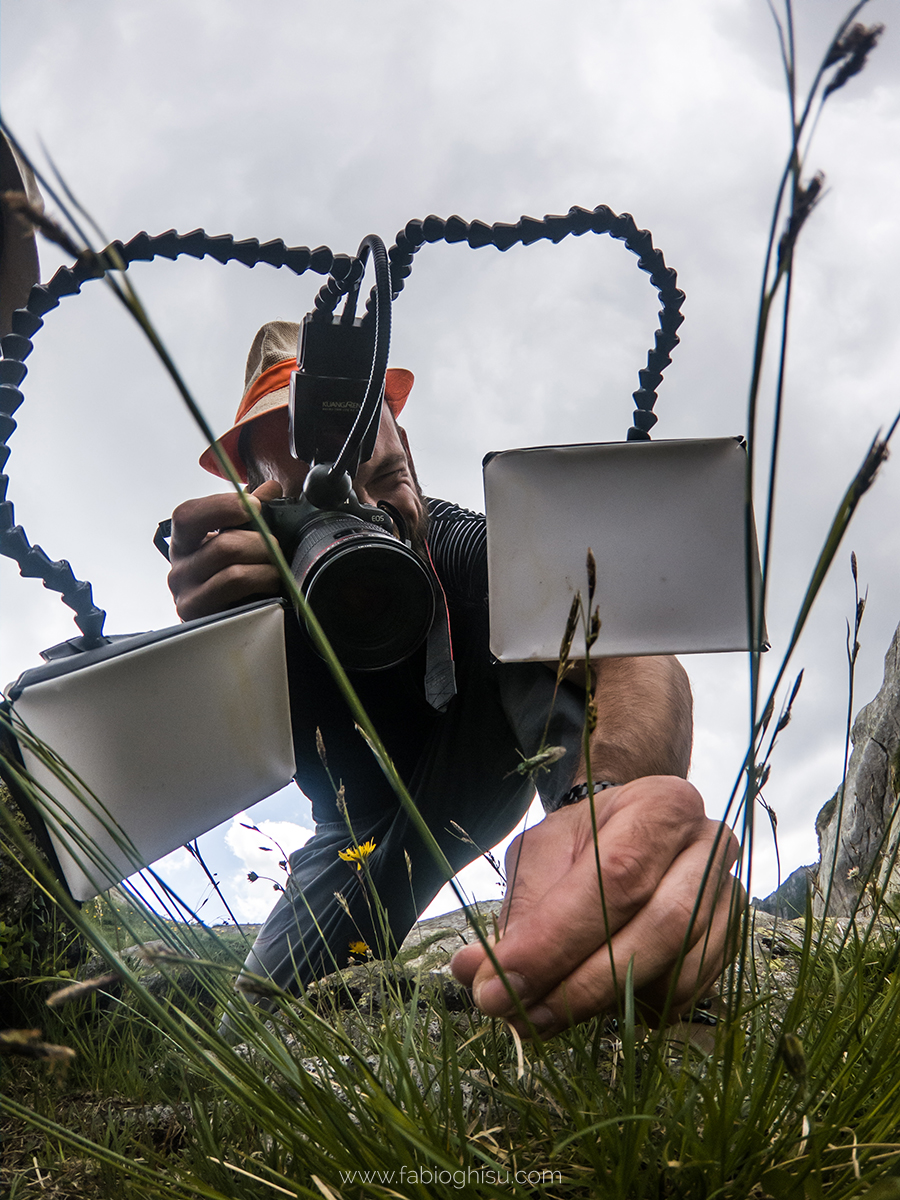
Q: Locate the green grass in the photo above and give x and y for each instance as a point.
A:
(797, 1095)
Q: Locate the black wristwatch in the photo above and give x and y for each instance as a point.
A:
(581, 791)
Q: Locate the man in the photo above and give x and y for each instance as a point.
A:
(565, 945)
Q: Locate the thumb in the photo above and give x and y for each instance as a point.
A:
(270, 490)
(467, 961)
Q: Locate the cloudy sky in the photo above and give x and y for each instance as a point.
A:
(320, 123)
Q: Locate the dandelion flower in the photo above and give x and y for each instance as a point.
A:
(359, 949)
(358, 855)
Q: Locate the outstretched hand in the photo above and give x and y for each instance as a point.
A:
(565, 944)
(215, 563)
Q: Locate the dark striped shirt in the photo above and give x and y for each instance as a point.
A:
(457, 539)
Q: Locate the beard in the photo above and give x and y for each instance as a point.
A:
(414, 532)
(418, 536)
(417, 531)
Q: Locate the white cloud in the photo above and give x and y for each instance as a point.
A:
(479, 880)
(260, 851)
(179, 860)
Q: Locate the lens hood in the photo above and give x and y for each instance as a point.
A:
(373, 597)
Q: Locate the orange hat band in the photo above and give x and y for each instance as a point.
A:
(271, 380)
(274, 339)
(276, 377)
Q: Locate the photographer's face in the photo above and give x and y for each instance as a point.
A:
(389, 475)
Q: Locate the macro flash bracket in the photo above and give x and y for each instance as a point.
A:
(334, 360)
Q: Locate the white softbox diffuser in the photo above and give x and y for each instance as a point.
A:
(170, 733)
(666, 522)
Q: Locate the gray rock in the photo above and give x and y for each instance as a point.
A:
(858, 828)
(431, 944)
(148, 960)
(422, 967)
(789, 900)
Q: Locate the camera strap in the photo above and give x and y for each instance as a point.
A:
(440, 673)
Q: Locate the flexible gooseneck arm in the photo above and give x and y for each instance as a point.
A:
(344, 276)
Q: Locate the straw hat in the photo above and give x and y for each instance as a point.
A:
(272, 358)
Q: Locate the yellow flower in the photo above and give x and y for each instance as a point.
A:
(357, 854)
(358, 948)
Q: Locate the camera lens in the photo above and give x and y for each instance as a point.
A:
(372, 596)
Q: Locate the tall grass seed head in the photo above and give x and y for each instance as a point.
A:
(851, 51)
(565, 646)
(594, 630)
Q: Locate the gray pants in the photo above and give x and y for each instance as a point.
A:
(466, 773)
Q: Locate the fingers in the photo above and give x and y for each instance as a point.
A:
(563, 909)
(214, 563)
(234, 584)
(194, 520)
(547, 851)
(704, 962)
(568, 941)
(680, 922)
(525, 888)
